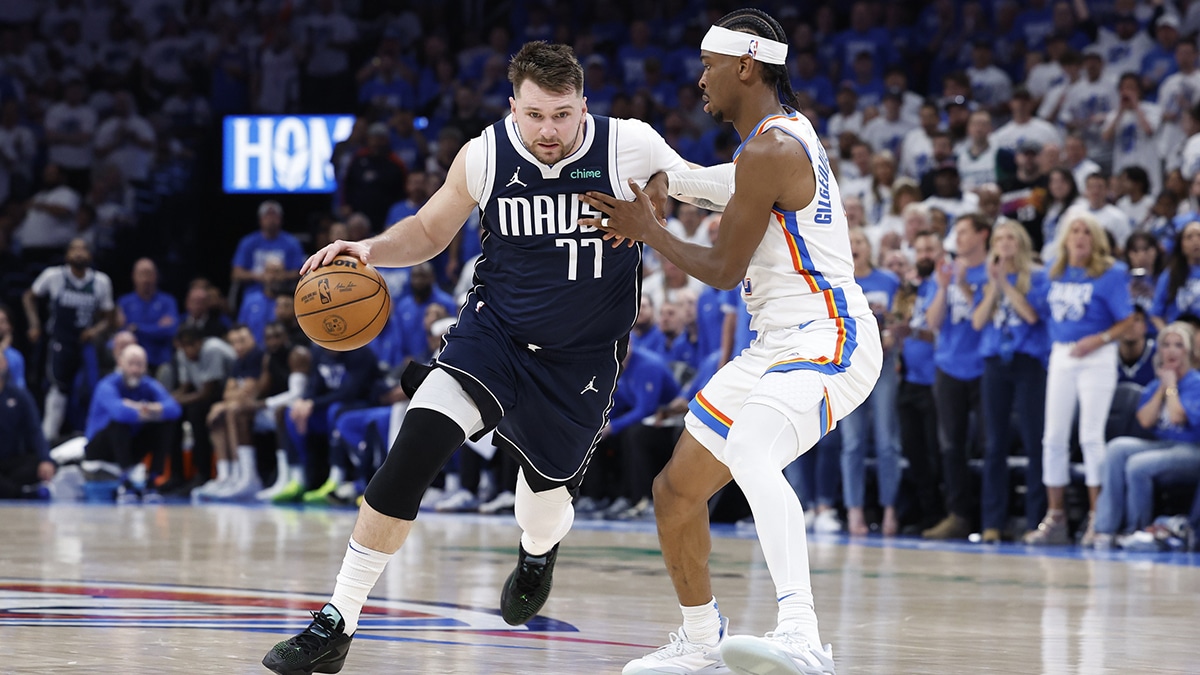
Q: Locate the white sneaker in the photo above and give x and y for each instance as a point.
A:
(776, 654)
(459, 501)
(827, 522)
(682, 657)
(432, 496)
(505, 501)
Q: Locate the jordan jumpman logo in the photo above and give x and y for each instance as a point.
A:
(591, 386)
(516, 179)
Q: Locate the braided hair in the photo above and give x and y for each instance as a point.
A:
(758, 22)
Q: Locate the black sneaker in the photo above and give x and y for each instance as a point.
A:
(321, 648)
(527, 587)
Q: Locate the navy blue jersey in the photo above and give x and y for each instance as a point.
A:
(550, 282)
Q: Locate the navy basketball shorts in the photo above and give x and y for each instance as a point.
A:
(548, 409)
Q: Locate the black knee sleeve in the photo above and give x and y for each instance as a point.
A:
(425, 442)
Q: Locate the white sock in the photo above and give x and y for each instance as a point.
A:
(544, 517)
(360, 570)
(245, 464)
(137, 475)
(762, 440)
(224, 470)
(56, 409)
(281, 467)
(337, 475)
(702, 623)
(297, 474)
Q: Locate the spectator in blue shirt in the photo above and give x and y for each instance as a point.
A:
(269, 242)
(1178, 289)
(807, 80)
(337, 382)
(1086, 309)
(711, 308)
(417, 192)
(24, 454)
(1159, 62)
(915, 401)
(404, 336)
(151, 315)
(646, 385)
(863, 37)
(646, 334)
(1136, 351)
(880, 288)
(1145, 259)
(15, 360)
(1014, 346)
(679, 348)
(633, 55)
(127, 419)
(258, 305)
(1170, 410)
(959, 367)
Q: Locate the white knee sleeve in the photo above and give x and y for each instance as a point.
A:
(798, 396)
(545, 517)
(442, 393)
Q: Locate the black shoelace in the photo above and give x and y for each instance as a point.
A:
(314, 637)
(530, 577)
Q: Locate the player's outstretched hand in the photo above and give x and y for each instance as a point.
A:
(633, 220)
(326, 255)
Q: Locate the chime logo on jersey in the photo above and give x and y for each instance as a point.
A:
(70, 604)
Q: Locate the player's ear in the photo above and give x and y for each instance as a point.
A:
(745, 67)
(584, 111)
(512, 105)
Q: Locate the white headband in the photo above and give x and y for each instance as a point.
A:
(735, 43)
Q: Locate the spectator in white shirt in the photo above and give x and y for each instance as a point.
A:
(1048, 72)
(977, 157)
(49, 223)
(1112, 219)
(1076, 160)
(687, 224)
(1024, 126)
(1124, 45)
(886, 131)
(1176, 96)
(1189, 156)
(326, 36)
(1136, 199)
(1088, 102)
(126, 139)
(848, 119)
(18, 149)
(896, 79)
(916, 152)
(990, 86)
(1054, 99)
(1131, 128)
(69, 127)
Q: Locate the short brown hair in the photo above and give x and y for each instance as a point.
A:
(552, 67)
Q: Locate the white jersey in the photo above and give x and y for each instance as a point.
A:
(802, 270)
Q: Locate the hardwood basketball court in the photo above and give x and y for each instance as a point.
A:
(208, 589)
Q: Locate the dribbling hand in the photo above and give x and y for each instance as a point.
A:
(326, 255)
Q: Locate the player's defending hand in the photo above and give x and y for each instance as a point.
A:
(326, 255)
(633, 220)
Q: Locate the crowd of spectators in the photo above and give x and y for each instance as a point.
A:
(974, 144)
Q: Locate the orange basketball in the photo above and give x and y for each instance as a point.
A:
(343, 305)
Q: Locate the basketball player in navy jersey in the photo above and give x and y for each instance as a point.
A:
(784, 238)
(538, 343)
(80, 304)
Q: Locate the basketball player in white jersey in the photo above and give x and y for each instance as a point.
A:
(784, 238)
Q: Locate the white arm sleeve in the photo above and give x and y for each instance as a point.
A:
(477, 165)
(709, 188)
(296, 384)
